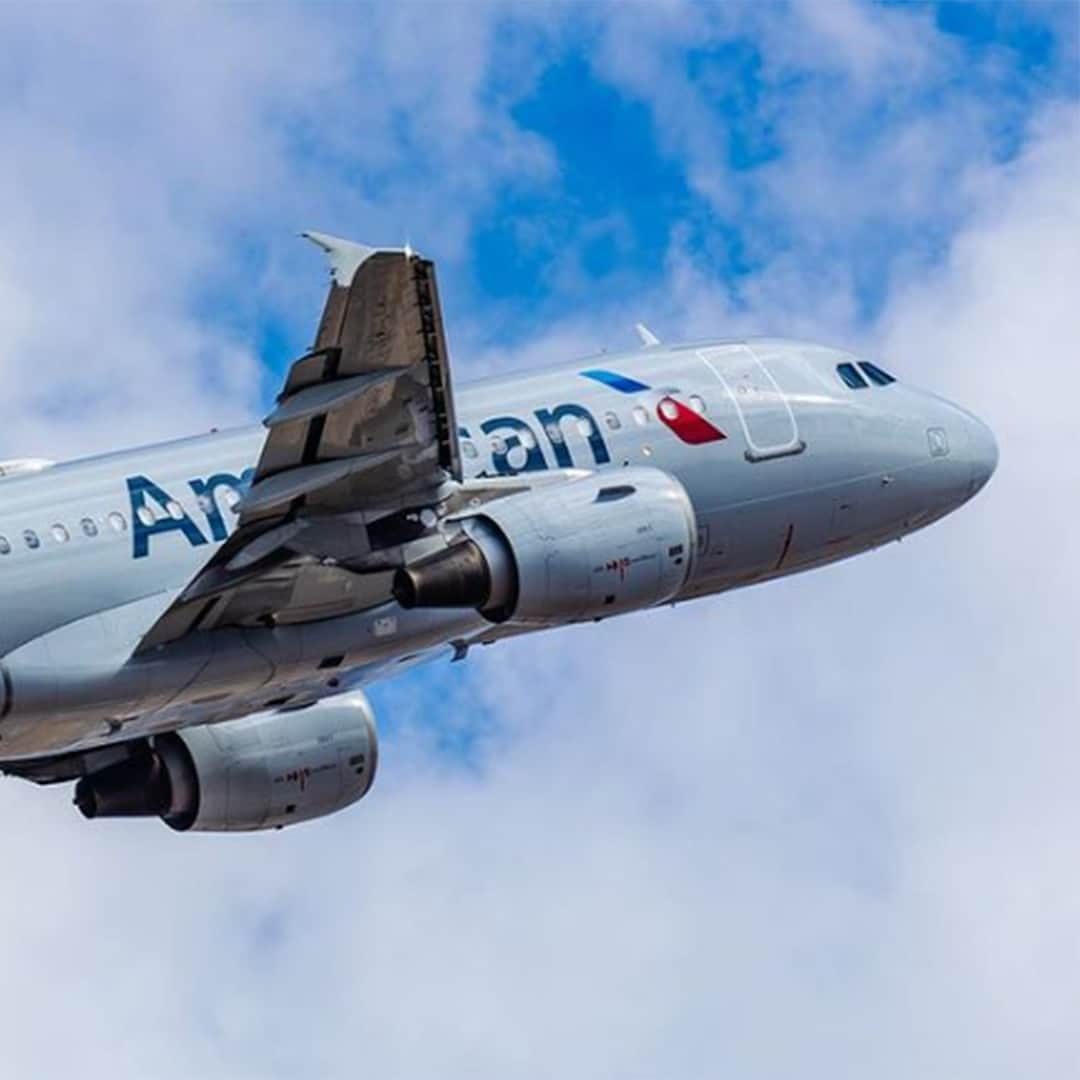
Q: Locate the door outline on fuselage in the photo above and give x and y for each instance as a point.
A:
(713, 360)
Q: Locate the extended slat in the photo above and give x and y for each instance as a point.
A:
(431, 328)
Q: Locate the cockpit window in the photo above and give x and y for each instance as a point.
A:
(851, 376)
(875, 374)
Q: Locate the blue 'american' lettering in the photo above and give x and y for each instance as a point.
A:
(515, 447)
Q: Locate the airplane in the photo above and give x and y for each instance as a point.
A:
(189, 627)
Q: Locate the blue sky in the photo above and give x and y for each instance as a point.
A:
(620, 193)
(824, 827)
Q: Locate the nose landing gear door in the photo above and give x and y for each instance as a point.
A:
(762, 406)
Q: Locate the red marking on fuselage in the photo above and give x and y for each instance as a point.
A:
(619, 566)
(688, 425)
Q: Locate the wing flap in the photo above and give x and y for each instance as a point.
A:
(322, 397)
(283, 487)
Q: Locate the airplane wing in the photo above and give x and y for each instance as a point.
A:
(362, 440)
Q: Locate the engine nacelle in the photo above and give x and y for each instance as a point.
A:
(600, 545)
(258, 772)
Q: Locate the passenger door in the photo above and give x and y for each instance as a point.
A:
(764, 411)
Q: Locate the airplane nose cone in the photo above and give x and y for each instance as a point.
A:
(983, 450)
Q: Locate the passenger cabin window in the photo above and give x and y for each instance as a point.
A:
(641, 417)
(851, 376)
(875, 374)
(31, 538)
(117, 522)
(697, 403)
(88, 527)
(60, 534)
(145, 516)
(612, 421)
(468, 449)
(5, 546)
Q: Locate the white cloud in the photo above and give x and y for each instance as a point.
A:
(817, 129)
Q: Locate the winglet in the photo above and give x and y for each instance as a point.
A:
(344, 256)
(645, 335)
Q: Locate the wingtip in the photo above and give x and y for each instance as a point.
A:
(344, 256)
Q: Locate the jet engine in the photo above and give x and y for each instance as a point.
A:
(591, 547)
(259, 772)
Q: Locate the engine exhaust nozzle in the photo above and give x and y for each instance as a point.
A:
(477, 571)
(454, 578)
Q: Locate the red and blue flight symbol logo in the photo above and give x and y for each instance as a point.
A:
(684, 422)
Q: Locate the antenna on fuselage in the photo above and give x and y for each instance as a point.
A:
(647, 338)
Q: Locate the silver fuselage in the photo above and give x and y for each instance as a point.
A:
(805, 471)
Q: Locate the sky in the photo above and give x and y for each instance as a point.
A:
(821, 827)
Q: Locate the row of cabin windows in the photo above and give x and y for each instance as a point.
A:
(585, 428)
(850, 373)
(116, 522)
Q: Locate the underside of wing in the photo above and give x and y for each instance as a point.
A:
(363, 438)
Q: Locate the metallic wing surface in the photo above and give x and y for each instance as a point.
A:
(364, 430)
